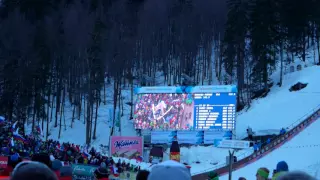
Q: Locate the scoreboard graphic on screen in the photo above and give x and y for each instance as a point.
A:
(185, 108)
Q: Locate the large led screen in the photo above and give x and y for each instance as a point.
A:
(168, 108)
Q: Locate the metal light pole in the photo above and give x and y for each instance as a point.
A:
(231, 159)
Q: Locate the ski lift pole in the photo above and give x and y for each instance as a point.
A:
(231, 159)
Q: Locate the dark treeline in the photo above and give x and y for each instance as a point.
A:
(56, 52)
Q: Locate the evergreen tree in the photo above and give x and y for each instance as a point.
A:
(263, 30)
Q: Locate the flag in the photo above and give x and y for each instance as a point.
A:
(13, 128)
(85, 154)
(114, 171)
(18, 137)
(59, 148)
(12, 142)
(39, 130)
(2, 120)
(139, 158)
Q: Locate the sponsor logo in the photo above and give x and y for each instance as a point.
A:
(125, 143)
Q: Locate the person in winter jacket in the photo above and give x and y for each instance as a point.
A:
(297, 175)
(213, 175)
(65, 173)
(57, 167)
(282, 168)
(102, 172)
(169, 170)
(255, 147)
(43, 158)
(282, 131)
(262, 174)
(250, 133)
(268, 141)
(29, 170)
(13, 160)
(142, 175)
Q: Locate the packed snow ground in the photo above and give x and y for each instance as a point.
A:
(280, 108)
(301, 153)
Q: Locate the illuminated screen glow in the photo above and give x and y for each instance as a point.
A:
(185, 111)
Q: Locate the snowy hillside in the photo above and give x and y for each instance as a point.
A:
(301, 153)
(280, 108)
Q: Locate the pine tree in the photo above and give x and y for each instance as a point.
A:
(263, 29)
(235, 42)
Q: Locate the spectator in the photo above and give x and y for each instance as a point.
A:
(13, 160)
(242, 178)
(255, 147)
(262, 174)
(65, 173)
(250, 134)
(28, 170)
(169, 170)
(282, 168)
(213, 175)
(43, 158)
(268, 140)
(142, 175)
(282, 131)
(102, 172)
(56, 166)
(296, 176)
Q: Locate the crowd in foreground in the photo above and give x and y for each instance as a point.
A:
(42, 168)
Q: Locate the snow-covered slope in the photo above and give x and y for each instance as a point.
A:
(301, 153)
(282, 108)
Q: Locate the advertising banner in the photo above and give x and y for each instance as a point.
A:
(129, 147)
(212, 137)
(3, 161)
(190, 137)
(235, 144)
(80, 171)
(162, 137)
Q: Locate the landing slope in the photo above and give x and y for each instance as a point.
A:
(301, 153)
(281, 108)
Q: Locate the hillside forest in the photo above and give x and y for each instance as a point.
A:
(82, 51)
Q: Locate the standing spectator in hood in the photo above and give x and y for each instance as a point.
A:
(282, 168)
(296, 176)
(169, 170)
(213, 175)
(43, 158)
(65, 173)
(102, 172)
(262, 174)
(142, 175)
(29, 170)
(56, 166)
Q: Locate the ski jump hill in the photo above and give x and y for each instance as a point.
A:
(265, 150)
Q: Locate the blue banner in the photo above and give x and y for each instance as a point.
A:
(163, 137)
(186, 89)
(190, 137)
(214, 137)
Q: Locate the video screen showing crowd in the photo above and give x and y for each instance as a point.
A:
(164, 111)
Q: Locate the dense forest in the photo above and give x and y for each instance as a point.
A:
(58, 51)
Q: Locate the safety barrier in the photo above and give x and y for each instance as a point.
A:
(266, 149)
